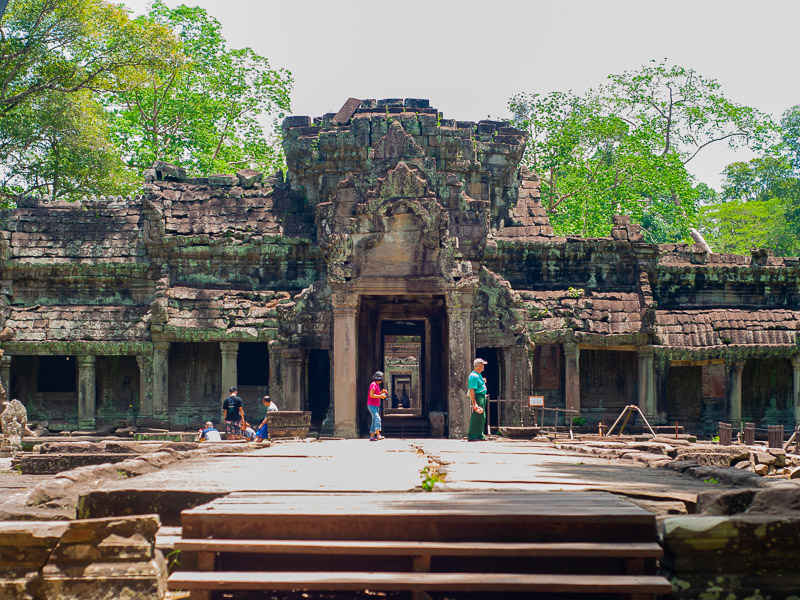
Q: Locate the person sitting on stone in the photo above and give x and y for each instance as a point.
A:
(210, 433)
(263, 429)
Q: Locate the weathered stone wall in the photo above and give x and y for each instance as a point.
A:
(386, 203)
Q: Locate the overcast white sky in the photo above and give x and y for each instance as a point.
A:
(470, 56)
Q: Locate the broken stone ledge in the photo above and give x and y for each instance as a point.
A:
(59, 497)
(95, 558)
(731, 557)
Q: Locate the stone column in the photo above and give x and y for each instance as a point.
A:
(517, 384)
(572, 377)
(87, 391)
(345, 363)
(229, 351)
(796, 388)
(5, 374)
(293, 388)
(647, 384)
(275, 388)
(735, 392)
(161, 380)
(461, 352)
(145, 386)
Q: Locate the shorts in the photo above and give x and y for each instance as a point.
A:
(232, 428)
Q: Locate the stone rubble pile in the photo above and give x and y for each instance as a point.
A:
(697, 459)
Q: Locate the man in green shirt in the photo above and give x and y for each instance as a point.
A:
(477, 395)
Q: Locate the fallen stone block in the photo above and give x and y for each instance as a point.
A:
(519, 432)
(725, 502)
(289, 423)
(38, 464)
(248, 178)
(26, 545)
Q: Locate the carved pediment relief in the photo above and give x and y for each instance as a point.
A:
(396, 144)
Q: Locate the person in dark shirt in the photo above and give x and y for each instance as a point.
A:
(233, 413)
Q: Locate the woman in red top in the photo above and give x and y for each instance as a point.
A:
(376, 395)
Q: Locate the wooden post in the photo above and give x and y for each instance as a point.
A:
(725, 434)
(775, 436)
(749, 434)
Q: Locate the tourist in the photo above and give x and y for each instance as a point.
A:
(263, 429)
(477, 395)
(376, 395)
(210, 433)
(249, 433)
(233, 413)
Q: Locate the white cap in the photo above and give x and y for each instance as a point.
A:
(479, 361)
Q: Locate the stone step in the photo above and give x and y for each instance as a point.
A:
(443, 517)
(554, 549)
(451, 582)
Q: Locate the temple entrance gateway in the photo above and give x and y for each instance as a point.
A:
(405, 337)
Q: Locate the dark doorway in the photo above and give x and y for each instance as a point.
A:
(684, 395)
(57, 374)
(252, 378)
(319, 386)
(403, 351)
(406, 338)
(252, 364)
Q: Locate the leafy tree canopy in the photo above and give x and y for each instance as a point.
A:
(622, 148)
(204, 110)
(759, 206)
(56, 56)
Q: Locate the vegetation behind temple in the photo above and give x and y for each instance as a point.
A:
(91, 97)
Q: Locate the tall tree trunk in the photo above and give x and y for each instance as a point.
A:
(3, 4)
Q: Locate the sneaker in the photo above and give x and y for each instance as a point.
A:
(380, 437)
(372, 438)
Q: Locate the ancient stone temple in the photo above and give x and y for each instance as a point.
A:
(397, 240)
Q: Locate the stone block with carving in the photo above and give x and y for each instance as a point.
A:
(14, 422)
(289, 423)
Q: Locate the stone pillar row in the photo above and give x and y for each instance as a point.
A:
(572, 376)
(461, 343)
(294, 384)
(230, 352)
(345, 360)
(647, 386)
(735, 369)
(87, 391)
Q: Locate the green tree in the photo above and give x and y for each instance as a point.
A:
(622, 148)
(204, 111)
(56, 56)
(759, 206)
(738, 226)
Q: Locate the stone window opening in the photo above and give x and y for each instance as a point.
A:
(56, 374)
